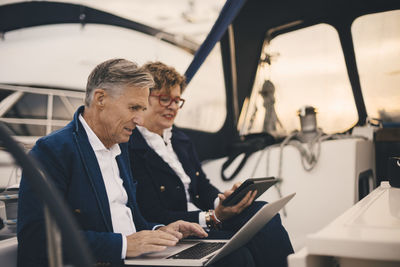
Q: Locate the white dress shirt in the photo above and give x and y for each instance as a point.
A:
(121, 214)
(163, 147)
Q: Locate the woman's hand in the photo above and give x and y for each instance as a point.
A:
(224, 213)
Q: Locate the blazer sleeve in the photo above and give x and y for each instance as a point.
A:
(106, 246)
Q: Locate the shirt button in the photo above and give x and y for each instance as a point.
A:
(197, 173)
(162, 188)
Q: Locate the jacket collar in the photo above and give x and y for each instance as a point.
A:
(94, 175)
(139, 146)
(92, 168)
(137, 141)
(180, 143)
(95, 141)
(76, 123)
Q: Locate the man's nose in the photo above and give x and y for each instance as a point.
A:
(138, 120)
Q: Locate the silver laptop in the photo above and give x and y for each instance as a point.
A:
(196, 252)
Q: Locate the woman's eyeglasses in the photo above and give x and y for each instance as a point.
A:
(166, 100)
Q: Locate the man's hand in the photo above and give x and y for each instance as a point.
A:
(181, 229)
(158, 240)
(224, 213)
(149, 241)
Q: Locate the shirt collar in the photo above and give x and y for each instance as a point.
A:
(167, 134)
(95, 142)
(154, 138)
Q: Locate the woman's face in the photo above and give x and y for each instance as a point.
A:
(158, 117)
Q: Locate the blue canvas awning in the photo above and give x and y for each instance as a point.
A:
(227, 15)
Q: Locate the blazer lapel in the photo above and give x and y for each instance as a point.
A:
(157, 162)
(125, 175)
(181, 147)
(93, 172)
(140, 146)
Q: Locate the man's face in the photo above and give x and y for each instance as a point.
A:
(121, 114)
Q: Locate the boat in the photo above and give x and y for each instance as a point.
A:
(306, 92)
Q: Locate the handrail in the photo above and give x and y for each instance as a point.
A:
(43, 91)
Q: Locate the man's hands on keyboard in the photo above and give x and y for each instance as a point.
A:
(182, 229)
(148, 241)
(166, 236)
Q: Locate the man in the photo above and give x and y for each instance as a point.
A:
(88, 163)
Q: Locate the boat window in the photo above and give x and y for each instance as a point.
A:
(31, 106)
(205, 107)
(4, 93)
(301, 68)
(27, 115)
(24, 129)
(63, 56)
(37, 113)
(65, 107)
(377, 46)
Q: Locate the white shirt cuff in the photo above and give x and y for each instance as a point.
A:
(202, 215)
(123, 252)
(216, 202)
(157, 226)
(202, 219)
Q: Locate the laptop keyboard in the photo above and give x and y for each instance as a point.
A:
(197, 251)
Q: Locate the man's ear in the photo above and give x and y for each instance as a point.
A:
(99, 97)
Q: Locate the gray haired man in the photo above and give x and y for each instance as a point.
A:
(88, 162)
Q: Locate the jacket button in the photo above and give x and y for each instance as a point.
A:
(162, 188)
(197, 196)
(77, 211)
(197, 173)
(178, 187)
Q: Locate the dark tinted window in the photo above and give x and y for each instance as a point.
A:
(64, 108)
(27, 129)
(32, 106)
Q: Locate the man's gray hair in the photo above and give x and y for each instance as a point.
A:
(114, 75)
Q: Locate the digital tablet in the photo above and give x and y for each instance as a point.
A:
(252, 184)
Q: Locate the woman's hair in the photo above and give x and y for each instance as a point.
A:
(165, 76)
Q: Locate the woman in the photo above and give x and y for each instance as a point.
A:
(172, 184)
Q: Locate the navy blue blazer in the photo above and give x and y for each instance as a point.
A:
(161, 194)
(70, 162)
